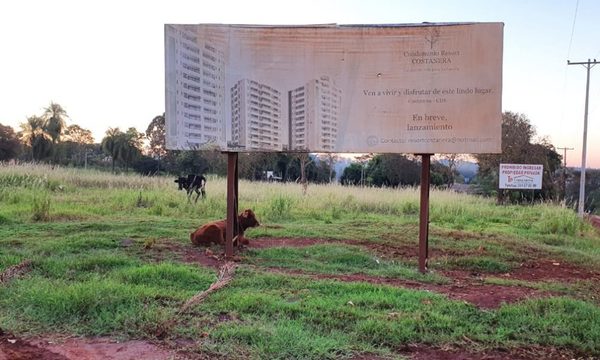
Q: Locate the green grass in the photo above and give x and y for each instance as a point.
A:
(103, 263)
(363, 316)
(338, 259)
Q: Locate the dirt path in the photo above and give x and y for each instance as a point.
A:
(424, 352)
(15, 348)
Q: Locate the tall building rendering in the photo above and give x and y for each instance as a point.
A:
(256, 122)
(195, 84)
(314, 115)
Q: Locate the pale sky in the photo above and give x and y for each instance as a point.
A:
(103, 61)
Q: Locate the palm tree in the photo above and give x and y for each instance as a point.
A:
(55, 120)
(33, 133)
(55, 125)
(111, 144)
(129, 146)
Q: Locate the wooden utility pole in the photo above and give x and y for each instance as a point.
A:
(424, 213)
(565, 149)
(588, 65)
(232, 227)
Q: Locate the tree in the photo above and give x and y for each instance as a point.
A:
(9, 143)
(81, 138)
(123, 146)
(216, 162)
(254, 165)
(304, 160)
(130, 146)
(54, 116)
(363, 160)
(330, 159)
(33, 134)
(393, 170)
(110, 144)
(43, 133)
(352, 174)
(55, 124)
(451, 161)
(519, 147)
(156, 135)
(77, 134)
(191, 162)
(441, 175)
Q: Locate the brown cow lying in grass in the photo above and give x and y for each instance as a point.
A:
(214, 232)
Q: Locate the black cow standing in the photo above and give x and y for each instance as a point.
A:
(193, 183)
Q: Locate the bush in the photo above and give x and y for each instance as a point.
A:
(41, 208)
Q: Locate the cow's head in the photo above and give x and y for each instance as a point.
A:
(182, 182)
(247, 219)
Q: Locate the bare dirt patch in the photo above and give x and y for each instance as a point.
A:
(14, 348)
(163, 249)
(262, 243)
(97, 349)
(551, 269)
(463, 287)
(386, 250)
(424, 352)
(407, 252)
(15, 271)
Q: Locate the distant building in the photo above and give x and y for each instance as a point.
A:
(313, 115)
(195, 76)
(256, 122)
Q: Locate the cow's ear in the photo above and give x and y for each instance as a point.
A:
(245, 214)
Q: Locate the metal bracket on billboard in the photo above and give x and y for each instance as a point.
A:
(232, 229)
(424, 212)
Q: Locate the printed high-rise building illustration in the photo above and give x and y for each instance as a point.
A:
(256, 122)
(195, 90)
(314, 115)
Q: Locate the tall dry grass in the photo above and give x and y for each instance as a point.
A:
(283, 201)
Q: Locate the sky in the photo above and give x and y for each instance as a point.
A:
(103, 61)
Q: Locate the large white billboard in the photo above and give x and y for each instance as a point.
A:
(426, 88)
(520, 176)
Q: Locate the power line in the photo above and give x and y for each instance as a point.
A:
(573, 29)
(562, 113)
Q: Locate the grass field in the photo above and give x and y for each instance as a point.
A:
(110, 256)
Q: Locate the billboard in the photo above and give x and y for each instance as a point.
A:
(423, 88)
(521, 176)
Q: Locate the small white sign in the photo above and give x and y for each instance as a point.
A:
(521, 176)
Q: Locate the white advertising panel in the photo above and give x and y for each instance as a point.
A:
(423, 88)
(521, 176)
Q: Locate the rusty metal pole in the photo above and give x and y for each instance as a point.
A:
(424, 213)
(232, 201)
